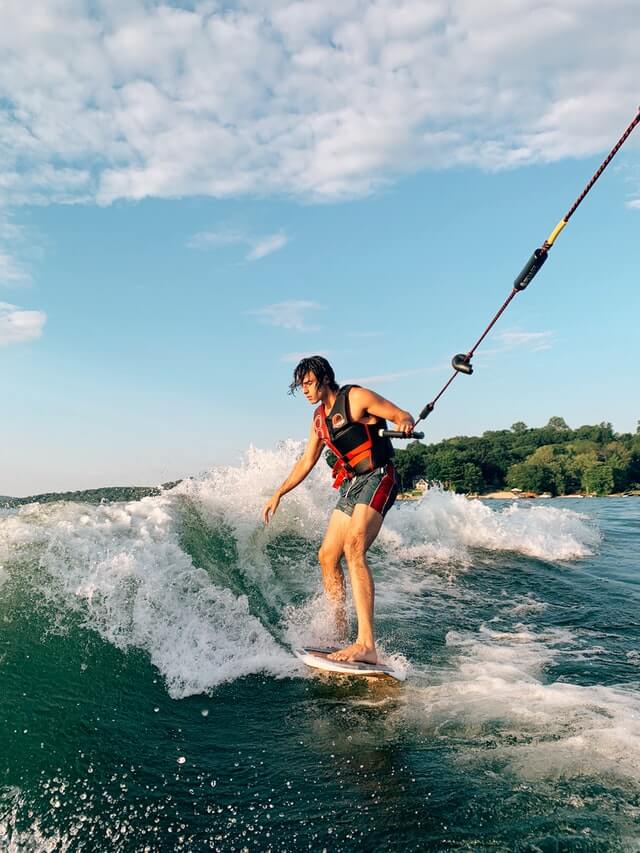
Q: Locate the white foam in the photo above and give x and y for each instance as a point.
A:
(122, 566)
(525, 605)
(495, 691)
(310, 624)
(445, 524)
(238, 494)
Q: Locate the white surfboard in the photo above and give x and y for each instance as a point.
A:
(318, 659)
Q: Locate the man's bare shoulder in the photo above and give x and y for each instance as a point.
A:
(359, 401)
(360, 394)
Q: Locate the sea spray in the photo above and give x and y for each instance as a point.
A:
(195, 579)
(442, 526)
(120, 567)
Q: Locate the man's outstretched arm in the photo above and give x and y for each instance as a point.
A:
(363, 402)
(298, 473)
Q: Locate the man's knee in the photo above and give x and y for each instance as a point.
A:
(327, 557)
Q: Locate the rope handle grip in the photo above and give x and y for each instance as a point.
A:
(395, 433)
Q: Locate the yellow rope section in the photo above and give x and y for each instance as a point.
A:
(552, 237)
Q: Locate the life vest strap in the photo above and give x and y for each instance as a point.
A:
(340, 472)
(361, 453)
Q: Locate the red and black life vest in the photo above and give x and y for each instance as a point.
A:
(357, 446)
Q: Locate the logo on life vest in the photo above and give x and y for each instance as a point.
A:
(337, 421)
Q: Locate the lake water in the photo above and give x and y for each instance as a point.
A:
(150, 701)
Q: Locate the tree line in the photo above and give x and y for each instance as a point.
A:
(553, 458)
(107, 494)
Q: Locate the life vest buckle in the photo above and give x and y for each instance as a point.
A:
(341, 471)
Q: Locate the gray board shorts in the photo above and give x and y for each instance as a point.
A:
(377, 489)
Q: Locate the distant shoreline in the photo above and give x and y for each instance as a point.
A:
(509, 496)
(111, 494)
(115, 494)
(528, 496)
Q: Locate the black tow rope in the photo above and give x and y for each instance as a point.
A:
(461, 362)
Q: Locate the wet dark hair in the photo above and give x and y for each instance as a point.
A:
(321, 369)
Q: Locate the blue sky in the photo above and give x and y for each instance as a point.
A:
(193, 196)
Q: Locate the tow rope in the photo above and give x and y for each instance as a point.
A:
(461, 362)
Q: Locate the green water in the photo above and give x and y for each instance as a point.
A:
(518, 728)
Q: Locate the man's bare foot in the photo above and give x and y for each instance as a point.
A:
(356, 652)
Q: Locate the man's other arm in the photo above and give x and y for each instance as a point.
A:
(298, 473)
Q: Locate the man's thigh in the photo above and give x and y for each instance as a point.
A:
(365, 524)
(334, 538)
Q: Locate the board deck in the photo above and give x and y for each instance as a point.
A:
(317, 658)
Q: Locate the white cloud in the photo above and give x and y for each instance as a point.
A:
(215, 239)
(259, 247)
(289, 315)
(323, 99)
(17, 325)
(267, 246)
(8, 229)
(11, 271)
(634, 204)
(534, 341)
(382, 378)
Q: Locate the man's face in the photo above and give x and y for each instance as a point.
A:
(310, 387)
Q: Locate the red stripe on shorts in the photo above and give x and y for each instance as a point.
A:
(381, 494)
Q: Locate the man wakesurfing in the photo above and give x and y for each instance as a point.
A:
(347, 421)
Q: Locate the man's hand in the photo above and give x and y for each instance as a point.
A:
(406, 425)
(270, 507)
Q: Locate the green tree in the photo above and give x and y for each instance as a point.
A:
(618, 457)
(601, 433)
(447, 467)
(519, 426)
(547, 454)
(531, 477)
(472, 479)
(555, 458)
(558, 423)
(411, 463)
(598, 478)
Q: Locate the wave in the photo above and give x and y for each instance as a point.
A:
(192, 577)
(494, 692)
